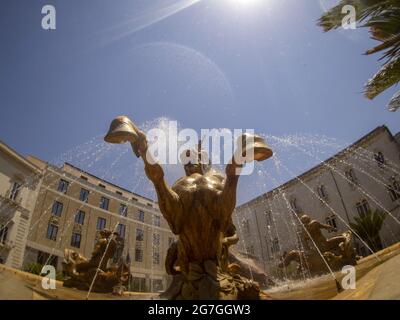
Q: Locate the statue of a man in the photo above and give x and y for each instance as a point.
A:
(198, 208)
(314, 230)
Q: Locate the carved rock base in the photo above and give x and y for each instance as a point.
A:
(209, 282)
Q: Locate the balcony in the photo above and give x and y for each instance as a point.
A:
(13, 205)
(77, 228)
(6, 246)
(54, 220)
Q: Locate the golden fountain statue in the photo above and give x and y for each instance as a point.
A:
(198, 208)
(83, 273)
(319, 251)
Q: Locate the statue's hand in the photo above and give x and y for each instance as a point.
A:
(141, 143)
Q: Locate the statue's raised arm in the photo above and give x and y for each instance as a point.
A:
(249, 148)
(168, 200)
(122, 130)
(199, 209)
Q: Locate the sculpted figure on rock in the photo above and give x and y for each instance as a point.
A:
(198, 208)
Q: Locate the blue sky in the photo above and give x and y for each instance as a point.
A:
(265, 65)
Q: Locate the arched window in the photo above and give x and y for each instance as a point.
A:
(362, 207)
(268, 217)
(294, 205)
(331, 220)
(379, 158)
(275, 248)
(246, 226)
(394, 189)
(351, 176)
(322, 192)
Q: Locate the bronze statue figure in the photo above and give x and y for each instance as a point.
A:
(198, 208)
(337, 251)
(80, 271)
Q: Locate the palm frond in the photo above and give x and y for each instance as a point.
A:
(386, 77)
(382, 17)
(332, 19)
(368, 227)
(394, 103)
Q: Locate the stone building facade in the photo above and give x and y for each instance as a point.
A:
(19, 185)
(366, 175)
(73, 206)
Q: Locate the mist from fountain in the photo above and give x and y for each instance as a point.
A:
(95, 156)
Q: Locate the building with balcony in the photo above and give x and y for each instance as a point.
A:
(19, 185)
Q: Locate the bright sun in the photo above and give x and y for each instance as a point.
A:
(245, 2)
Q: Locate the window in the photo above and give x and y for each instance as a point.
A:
(104, 202)
(57, 209)
(139, 235)
(294, 205)
(84, 195)
(15, 191)
(156, 258)
(138, 284)
(331, 220)
(138, 255)
(157, 285)
(322, 192)
(394, 189)
(123, 210)
(52, 231)
(250, 250)
(121, 230)
(80, 217)
(3, 234)
(351, 176)
(102, 186)
(379, 158)
(275, 246)
(76, 240)
(156, 239)
(141, 215)
(157, 221)
(268, 217)
(394, 193)
(101, 223)
(118, 254)
(246, 226)
(63, 186)
(362, 207)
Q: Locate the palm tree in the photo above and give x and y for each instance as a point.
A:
(382, 17)
(368, 227)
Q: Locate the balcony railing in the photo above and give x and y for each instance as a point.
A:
(6, 245)
(13, 204)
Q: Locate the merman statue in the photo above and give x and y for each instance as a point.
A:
(81, 272)
(337, 251)
(198, 208)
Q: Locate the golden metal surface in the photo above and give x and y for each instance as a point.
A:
(198, 208)
(122, 130)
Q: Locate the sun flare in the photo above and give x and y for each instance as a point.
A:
(246, 3)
